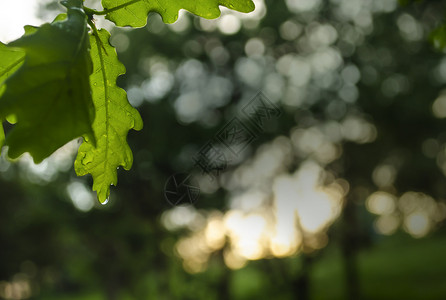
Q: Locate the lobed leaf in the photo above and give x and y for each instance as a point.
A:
(134, 12)
(114, 118)
(50, 93)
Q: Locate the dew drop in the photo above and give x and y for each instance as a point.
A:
(106, 201)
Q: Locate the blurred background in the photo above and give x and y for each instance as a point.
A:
(339, 195)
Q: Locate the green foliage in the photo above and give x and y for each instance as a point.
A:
(11, 61)
(2, 135)
(49, 94)
(64, 251)
(58, 82)
(12, 58)
(438, 37)
(114, 118)
(134, 12)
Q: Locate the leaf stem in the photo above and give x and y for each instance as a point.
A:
(89, 12)
(96, 34)
(107, 11)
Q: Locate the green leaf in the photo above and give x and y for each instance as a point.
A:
(2, 135)
(50, 93)
(11, 60)
(134, 12)
(114, 118)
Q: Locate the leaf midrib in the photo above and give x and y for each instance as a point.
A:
(106, 104)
